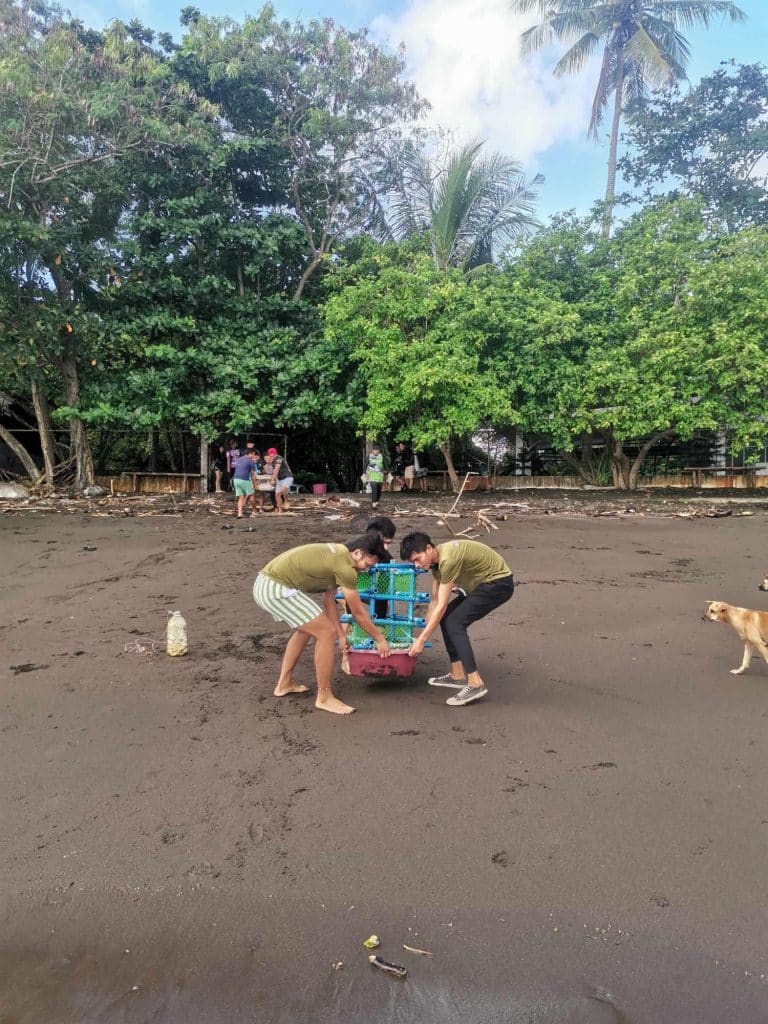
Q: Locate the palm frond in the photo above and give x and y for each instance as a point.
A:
(697, 13)
(540, 7)
(571, 23)
(644, 52)
(539, 37)
(606, 83)
(474, 204)
(578, 56)
(669, 39)
(410, 203)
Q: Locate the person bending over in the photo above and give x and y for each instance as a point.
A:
(283, 588)
(481, 580)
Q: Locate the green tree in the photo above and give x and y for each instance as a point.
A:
(326, 103)
(467, 207)
(76, 108)
(657, 347)
(711, 141)
(642, 48)
(422, 341)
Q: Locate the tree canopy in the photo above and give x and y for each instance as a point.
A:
(243, 231)
(710, 141)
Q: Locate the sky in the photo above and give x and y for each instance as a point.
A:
(464, 57)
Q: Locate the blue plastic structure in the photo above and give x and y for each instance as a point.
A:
(395, 583)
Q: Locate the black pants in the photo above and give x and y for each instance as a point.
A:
(463, 611)
(375, 491)
(381, 608)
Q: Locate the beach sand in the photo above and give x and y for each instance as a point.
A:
(587, 844)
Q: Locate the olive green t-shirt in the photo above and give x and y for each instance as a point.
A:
(468, 563)
(314, 568)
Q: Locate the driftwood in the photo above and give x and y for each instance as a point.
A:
(475, 518)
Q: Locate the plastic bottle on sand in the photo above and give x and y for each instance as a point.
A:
(176, 634)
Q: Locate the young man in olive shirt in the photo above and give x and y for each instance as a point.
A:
(283, 589)
(482, 580)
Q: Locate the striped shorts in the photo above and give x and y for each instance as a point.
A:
(293, 607)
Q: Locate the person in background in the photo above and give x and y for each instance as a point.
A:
(219, 467)
(284, 588)
(374, 472)
(233, 454)
(419, 473)
(385, 529)
(482, 580)
(244, 477)
(401, 463)
(282, 478)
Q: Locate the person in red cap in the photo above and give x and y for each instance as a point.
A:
(282, 478)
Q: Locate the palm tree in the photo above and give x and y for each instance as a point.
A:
(643, 48)
(468, 207)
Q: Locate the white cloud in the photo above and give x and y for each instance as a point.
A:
(464, 57)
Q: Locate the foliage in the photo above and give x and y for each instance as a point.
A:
(327, 107)
(658, 347)
(422, 341)
(76, 108)
(711, 141)
(468, 208)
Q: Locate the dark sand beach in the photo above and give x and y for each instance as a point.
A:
(588, 844)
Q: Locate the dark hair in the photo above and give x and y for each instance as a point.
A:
(369, 544)
(414, 543)
(382, 525)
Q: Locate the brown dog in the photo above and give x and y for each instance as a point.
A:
(751, 626)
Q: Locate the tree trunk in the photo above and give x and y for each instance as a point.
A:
(620, 468)
(640, 458)
(21, 453)
(445, 448)
(205, 463)
(171, 448)
(154, 458)
(610, 189)
(311, 267)
(43, 416)
(78, 438)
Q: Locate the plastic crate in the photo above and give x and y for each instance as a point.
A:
(398, 635)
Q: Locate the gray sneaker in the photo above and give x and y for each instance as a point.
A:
(466, 695)
(447, 680)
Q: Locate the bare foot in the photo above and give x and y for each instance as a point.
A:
(332, 704)
(282, 690)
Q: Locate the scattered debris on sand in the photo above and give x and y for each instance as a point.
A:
(475, 514)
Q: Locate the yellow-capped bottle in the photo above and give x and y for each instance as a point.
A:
(176, 634)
